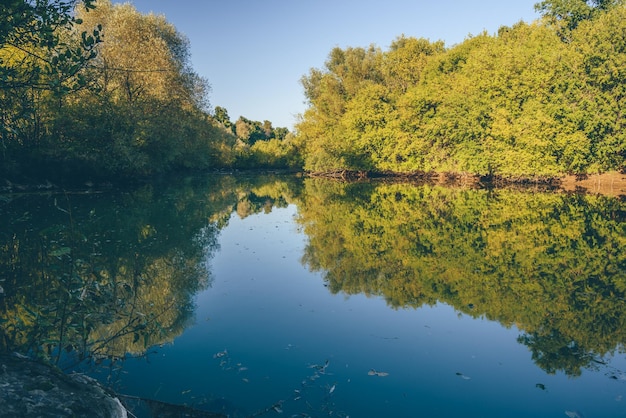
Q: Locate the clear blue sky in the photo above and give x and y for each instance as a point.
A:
(254, 52)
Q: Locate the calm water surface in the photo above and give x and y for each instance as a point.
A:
(274, 296)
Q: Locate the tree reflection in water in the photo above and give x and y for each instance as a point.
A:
(103, 275)
(551, 264)
(93, 276)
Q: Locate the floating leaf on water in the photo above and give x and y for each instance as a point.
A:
(462, 376)
(278, 407)
(373, 372)
(540, 386)
(320, 368)
(241, 369)
(245, 380)
(332, 389)
(220, 354)
(573, 414)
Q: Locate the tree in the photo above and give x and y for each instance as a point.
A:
(42, 52)
(249, 131)
(281, 133)
(35, 49)
(567, 14)
(268, 129)
(406, 59)
(521, 104)
(221, 115)
(153, 113)
(329, 91)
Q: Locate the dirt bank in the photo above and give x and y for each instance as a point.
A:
(611, 184)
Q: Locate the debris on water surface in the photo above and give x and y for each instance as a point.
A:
(320, 368)
(462, 376)
(332, 389)
(574, 414)
(540, 386)
(373, 372)
(278, 407)
(220, 354)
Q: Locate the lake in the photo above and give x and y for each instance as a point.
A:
(264, 295)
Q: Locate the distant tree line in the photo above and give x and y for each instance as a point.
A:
(259, 144)
(539, 99)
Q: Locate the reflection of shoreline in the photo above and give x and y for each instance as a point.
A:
(609, 184)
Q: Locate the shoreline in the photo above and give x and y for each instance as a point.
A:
(609, 184)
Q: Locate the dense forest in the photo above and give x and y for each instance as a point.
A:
(537, 99)
(91, 89)
(105, 91)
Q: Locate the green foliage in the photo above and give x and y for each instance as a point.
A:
(274, 153)
(329, 93)
(260, 145)
(221, 116)
(521, 103)
(122, 102)
(36, 49)
(565, 15)
(249, 131)
(42, 54)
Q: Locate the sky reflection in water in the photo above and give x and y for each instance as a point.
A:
(266, 328)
